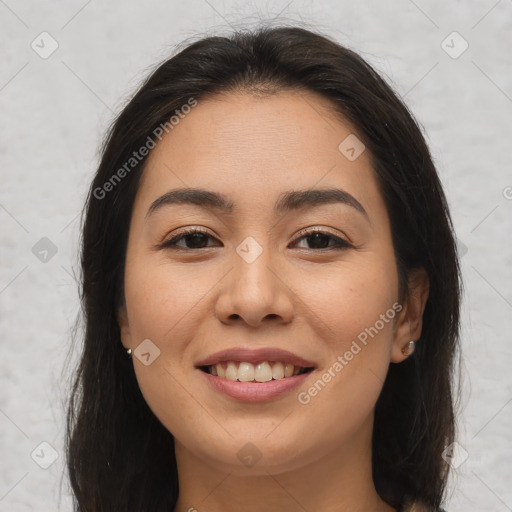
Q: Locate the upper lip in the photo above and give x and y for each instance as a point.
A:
(254, 356)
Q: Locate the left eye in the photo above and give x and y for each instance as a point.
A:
(319, 239)
(196, 239)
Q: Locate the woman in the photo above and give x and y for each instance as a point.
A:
(270, 289)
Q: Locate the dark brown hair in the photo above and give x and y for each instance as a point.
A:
(120, 457)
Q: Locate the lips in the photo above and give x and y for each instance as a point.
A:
(255, 375)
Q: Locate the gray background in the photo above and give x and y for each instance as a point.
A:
(56, 109)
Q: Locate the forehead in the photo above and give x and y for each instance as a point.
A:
(242, 125)
(255, 147)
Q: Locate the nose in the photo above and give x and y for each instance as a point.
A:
(254, 292)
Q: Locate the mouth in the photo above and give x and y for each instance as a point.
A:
(255, 375)
(258, 365)
(262, 371)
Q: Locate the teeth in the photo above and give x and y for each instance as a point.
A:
(231, 371)
(220, 370)
(247, 372)
(278, 371)
(263, 372)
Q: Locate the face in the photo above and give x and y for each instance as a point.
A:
(292, 264)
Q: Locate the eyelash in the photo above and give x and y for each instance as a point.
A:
(170, 244)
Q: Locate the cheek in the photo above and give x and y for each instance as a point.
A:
(162, 307)
(167, 303)
(349, 300)
(355, 310)
(164, 302)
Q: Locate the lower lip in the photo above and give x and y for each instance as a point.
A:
(255, 391)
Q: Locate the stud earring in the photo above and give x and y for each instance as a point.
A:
(129, 352)
(408, 348)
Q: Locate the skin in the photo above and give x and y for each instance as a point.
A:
(308, 300)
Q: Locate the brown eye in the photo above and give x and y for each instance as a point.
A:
(322, 240)
(193, 239)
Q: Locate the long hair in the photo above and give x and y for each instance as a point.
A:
(119, 456)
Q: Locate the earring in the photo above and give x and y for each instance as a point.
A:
(129, 352)
(408, 348)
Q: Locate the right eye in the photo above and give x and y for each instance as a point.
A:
(194, 237)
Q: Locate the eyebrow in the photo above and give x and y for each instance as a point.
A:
(288, 201)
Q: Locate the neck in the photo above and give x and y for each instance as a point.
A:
(340, 481)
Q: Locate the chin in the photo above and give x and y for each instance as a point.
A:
(259, 454)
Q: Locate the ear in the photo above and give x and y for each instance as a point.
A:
(410, 319)
(124, 328)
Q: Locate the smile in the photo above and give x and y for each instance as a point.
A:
(263, 371)
(254, 374)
